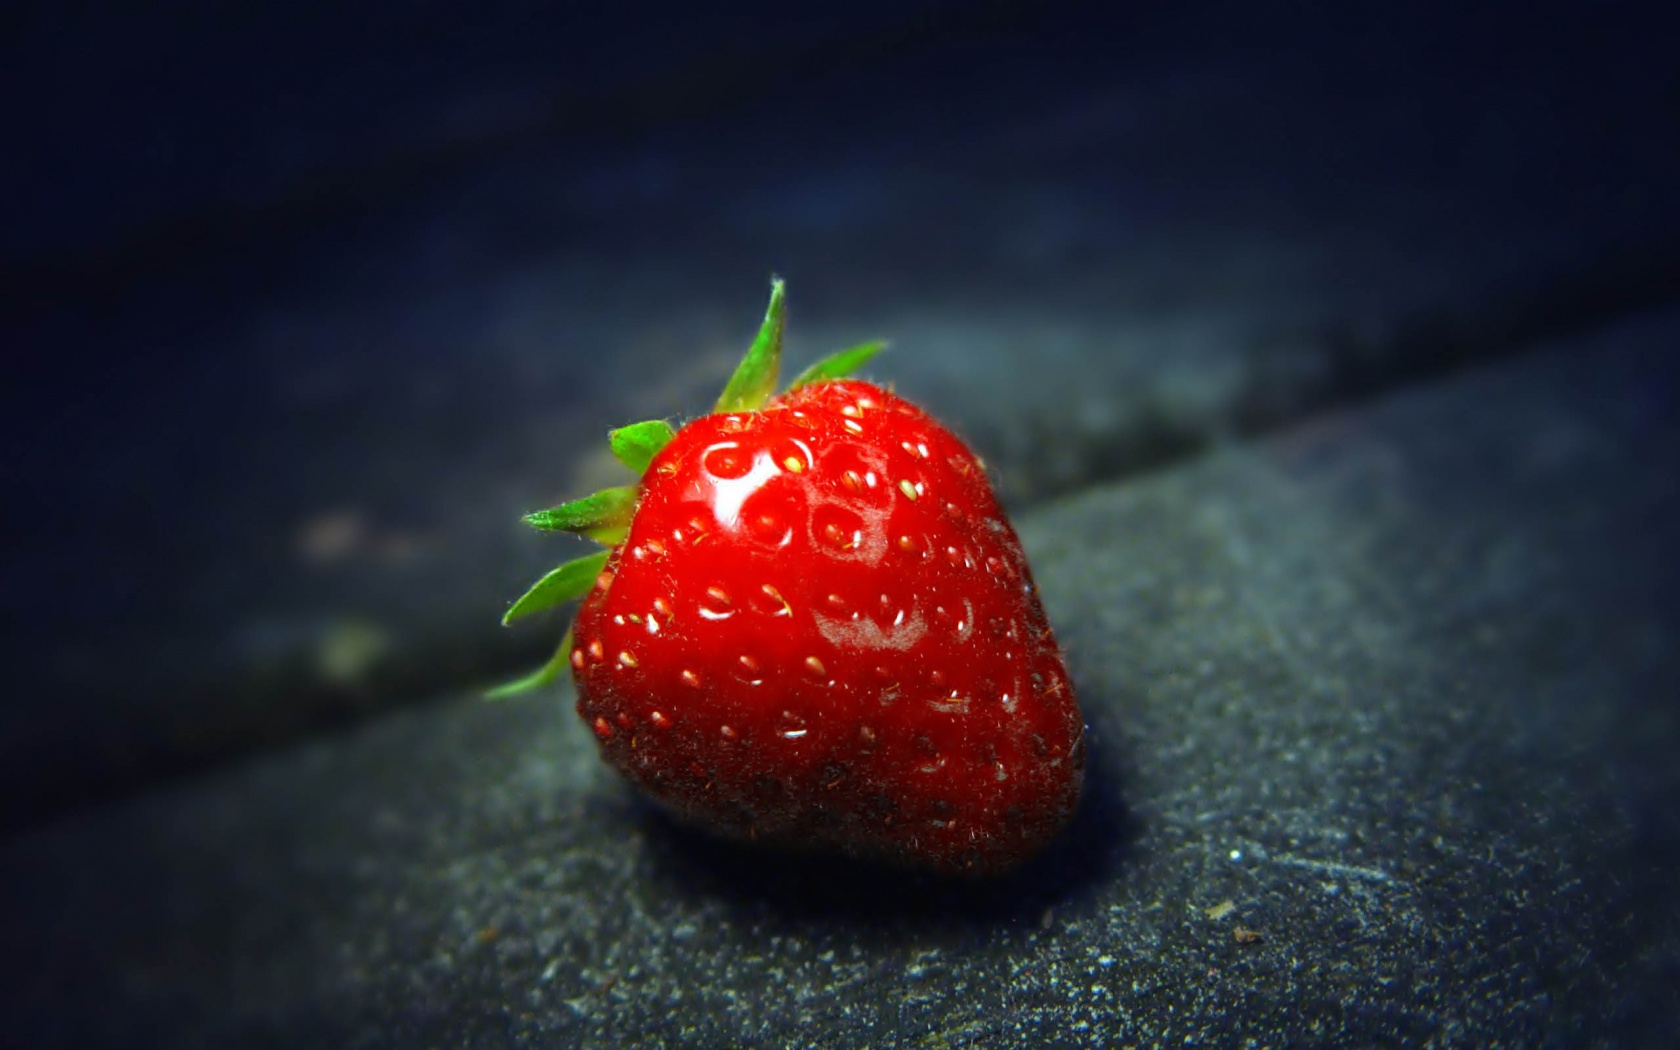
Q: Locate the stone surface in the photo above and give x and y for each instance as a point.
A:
(1394, 691)
(279, 453)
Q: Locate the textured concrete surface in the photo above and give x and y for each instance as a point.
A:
(1383, 712)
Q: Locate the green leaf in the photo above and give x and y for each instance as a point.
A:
(542, 676)
(837, 365)
(609, 508)
(755, 377)
(571, 580)
(637, 444)
(609, 535)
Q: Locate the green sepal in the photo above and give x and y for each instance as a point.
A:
(755, 377)
(571, 580)
(544, 675)
(610, 535)
(837, 365)
(637, 444)
(607, 509)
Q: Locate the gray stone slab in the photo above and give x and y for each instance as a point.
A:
(1395, 691)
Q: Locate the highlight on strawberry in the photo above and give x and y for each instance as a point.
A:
(813, 627)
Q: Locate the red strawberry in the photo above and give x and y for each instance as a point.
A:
(819, 629)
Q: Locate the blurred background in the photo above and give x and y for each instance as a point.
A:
(303, 304)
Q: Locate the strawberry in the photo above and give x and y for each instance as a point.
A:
(815, 627)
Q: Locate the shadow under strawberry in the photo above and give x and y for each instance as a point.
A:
(692, 863)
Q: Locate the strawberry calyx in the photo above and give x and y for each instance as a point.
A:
(755, 377)
(599, 516)
(838, 365)
(637, 444)
(605, 516)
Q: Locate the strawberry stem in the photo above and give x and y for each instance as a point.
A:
(571, 580)
(542, 676)
(609, 508)
(637, 444)
(755, 377)
(837, 365)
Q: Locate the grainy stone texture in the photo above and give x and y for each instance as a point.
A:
(1395, 691)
